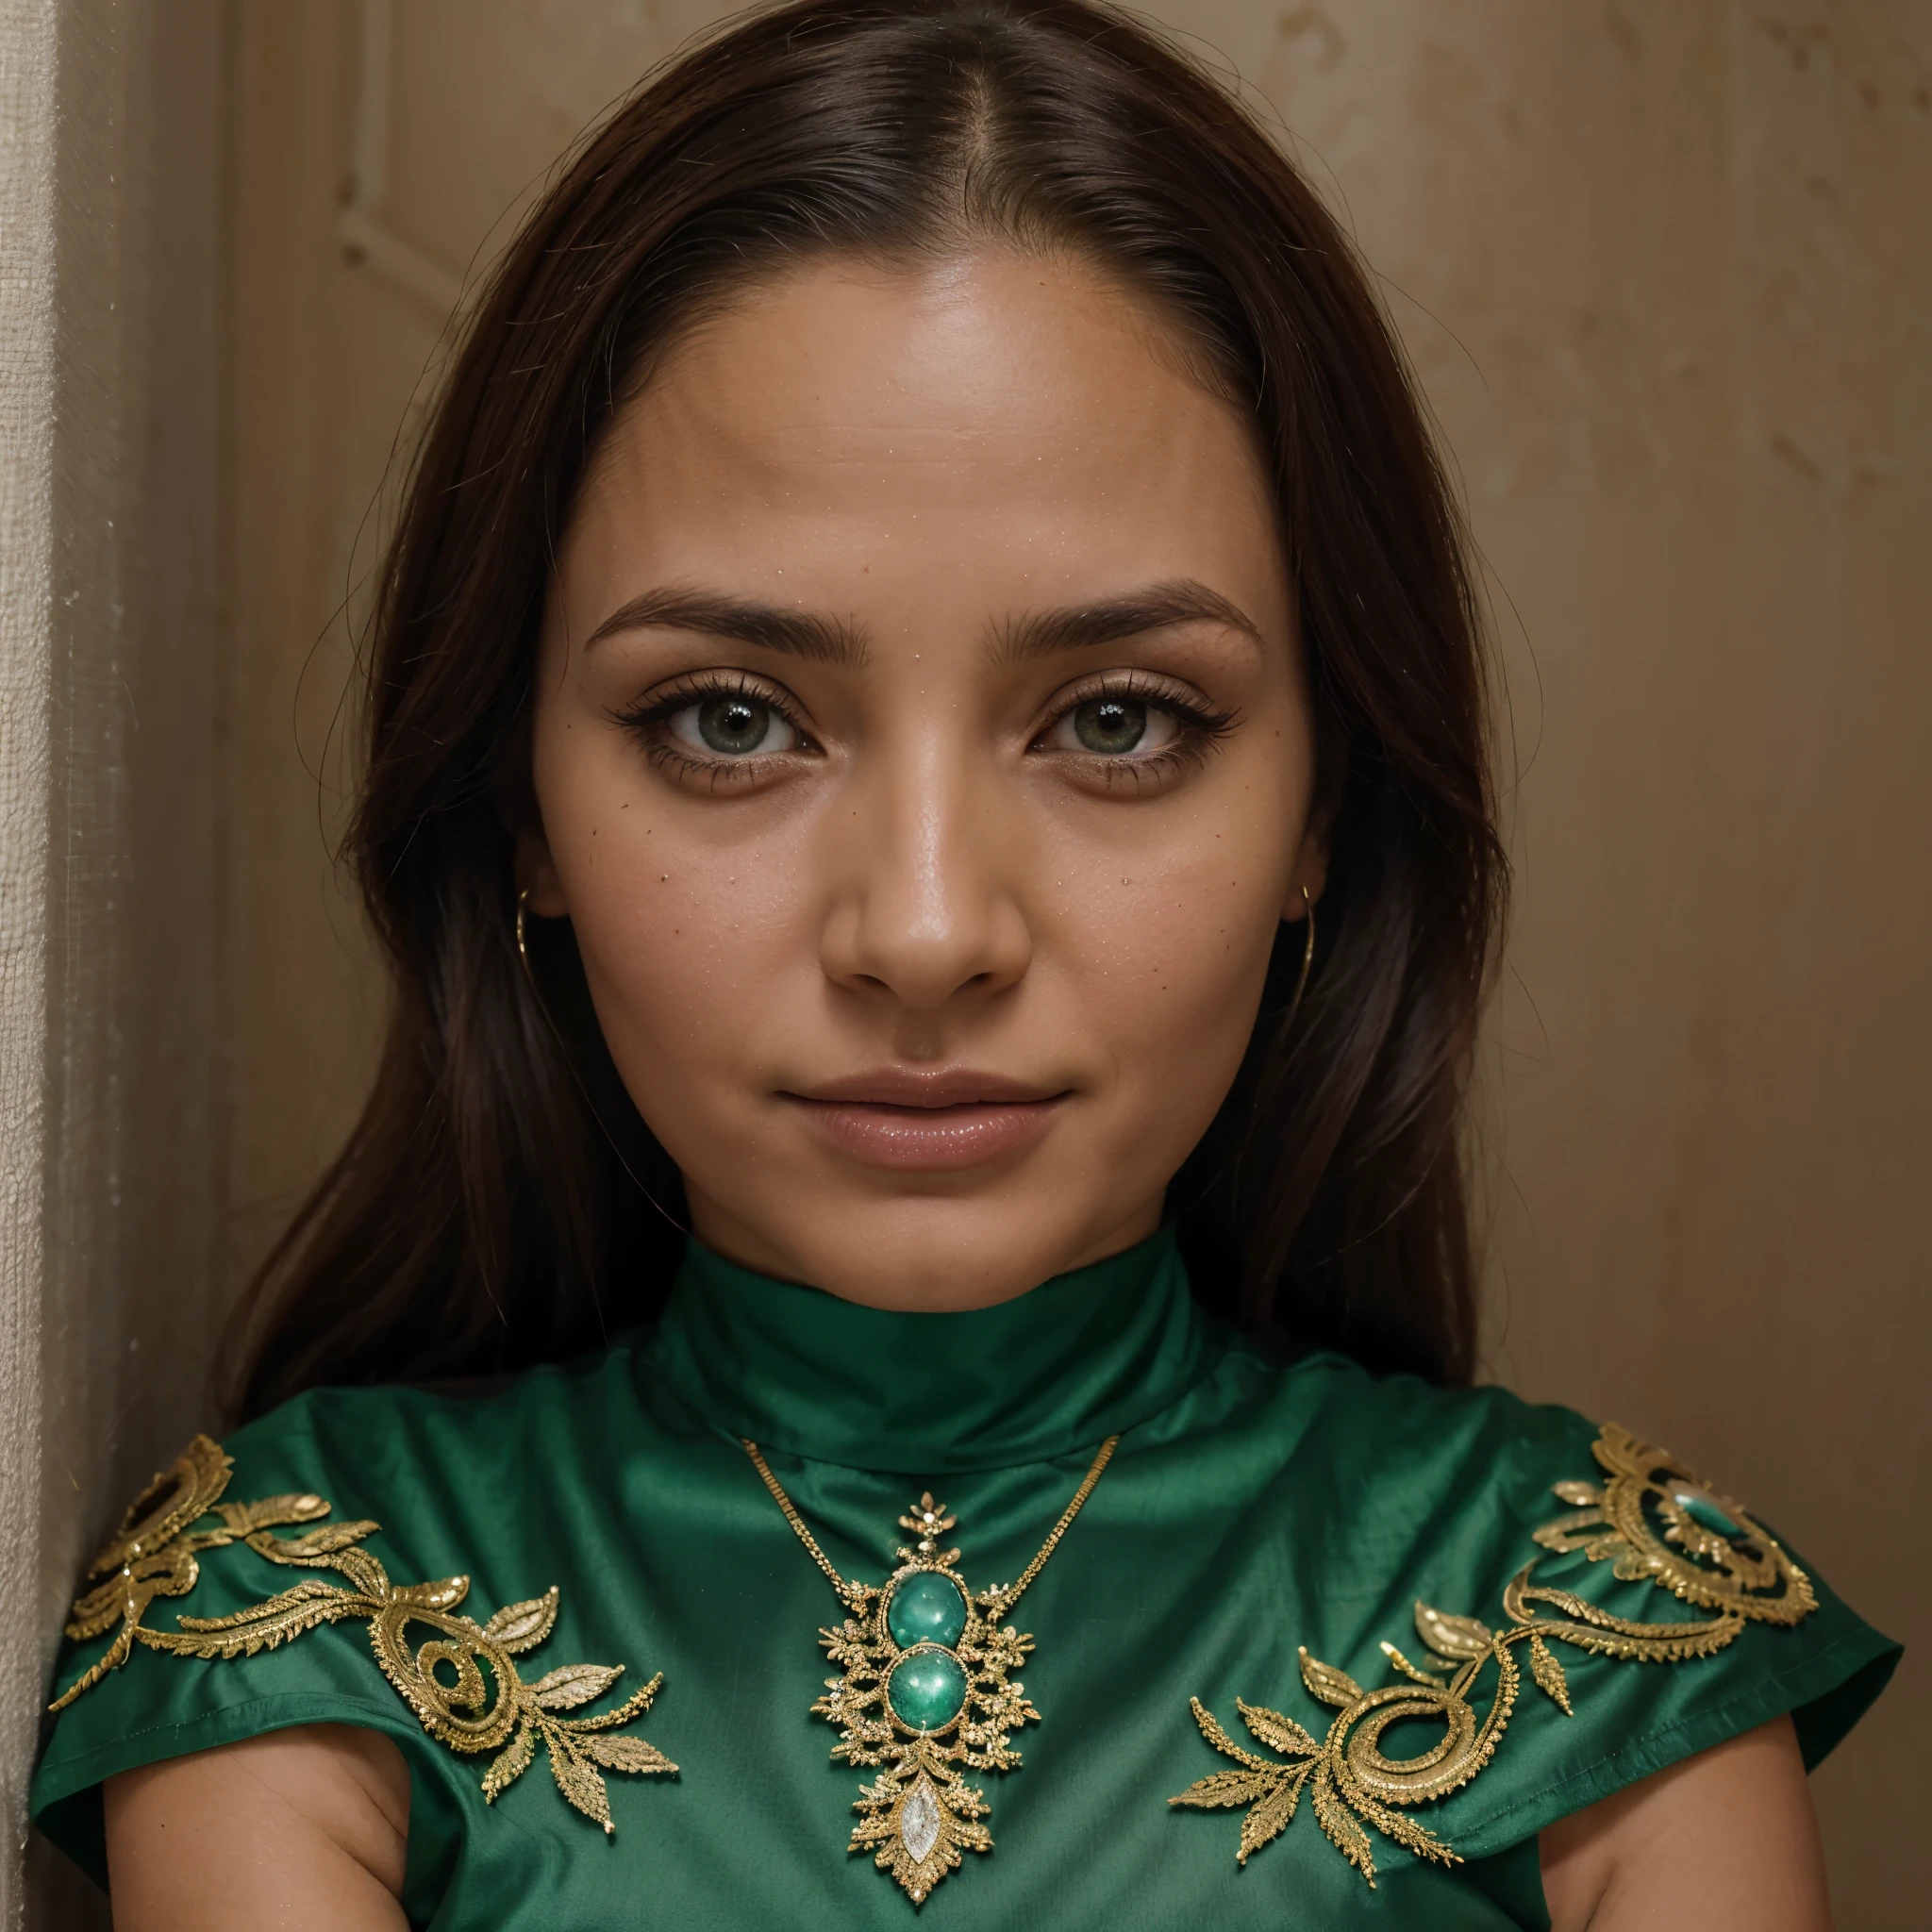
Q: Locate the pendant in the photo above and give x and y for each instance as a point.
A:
(925, 1693)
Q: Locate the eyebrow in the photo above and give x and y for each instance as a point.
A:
(1156, 606)
(826, 639)
(1018, 640)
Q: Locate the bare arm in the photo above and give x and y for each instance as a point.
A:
(303, 1830)
(1727, 1841)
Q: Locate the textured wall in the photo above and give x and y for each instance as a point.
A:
(26, 444)
(1661, 270)
(110, 1182)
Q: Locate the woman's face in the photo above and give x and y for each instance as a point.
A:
(924, 761)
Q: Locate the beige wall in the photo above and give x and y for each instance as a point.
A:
(1662, 269)
(112, 1130)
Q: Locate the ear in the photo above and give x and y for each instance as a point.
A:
(537, 879)
(1310, 876)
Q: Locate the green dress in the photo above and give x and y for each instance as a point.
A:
(1359, 1628)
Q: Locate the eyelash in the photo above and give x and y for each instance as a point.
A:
(645, 720)
(1200, 725)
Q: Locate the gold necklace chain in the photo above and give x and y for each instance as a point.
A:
(1007, 1597)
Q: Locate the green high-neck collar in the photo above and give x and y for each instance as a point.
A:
(1046, 1375)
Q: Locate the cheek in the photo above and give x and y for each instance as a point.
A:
(1170, 955)
(683, 950)
(685, 937)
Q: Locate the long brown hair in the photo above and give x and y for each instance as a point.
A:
(500, 1202)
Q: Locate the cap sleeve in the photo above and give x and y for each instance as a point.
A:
(235, 1599)
(1654, 1617)
(1580, 1610)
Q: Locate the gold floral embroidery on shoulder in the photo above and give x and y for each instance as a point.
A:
(462, 1684)
(1651, 1518)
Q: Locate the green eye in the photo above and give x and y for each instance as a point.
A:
(1116, 725)
(733, 725)
(1111, 726)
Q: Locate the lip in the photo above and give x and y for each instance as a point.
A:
(943, 1121)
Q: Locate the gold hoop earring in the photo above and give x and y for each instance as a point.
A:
(524, 951)
(1301, 985)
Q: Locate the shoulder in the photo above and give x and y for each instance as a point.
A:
(1575, 1605)
(387, 1444)
(352, 1520)
(1423, 1461)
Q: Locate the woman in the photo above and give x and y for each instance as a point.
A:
(927, 801)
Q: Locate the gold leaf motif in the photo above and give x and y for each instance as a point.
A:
(1277, 1732)
(1211, 1730)
(324, 1541)
(505, 1770)
(308, 1591)
(1325, 1682)
(1548, 1674)
(523, 1627)
(1268, 1819)
(1411, 1671)
(574, 1684)
(264, 1626)
(358, 1566)
(1460, 1638)
(1222, 1788)
(1405, 1832)
(243, 1519)
(634, 1706)
(1340, 1825)
(153, 1554)
(1629, 1522)
(626, 1754)
(444, 1593)
(583, 1790)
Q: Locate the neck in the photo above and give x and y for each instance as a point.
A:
(928, 1257)
(1037, 1377)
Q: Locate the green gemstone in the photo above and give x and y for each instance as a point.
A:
(927, 1609)
(927, 1688)
(1700, 1509)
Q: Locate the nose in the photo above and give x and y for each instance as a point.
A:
(928, 912)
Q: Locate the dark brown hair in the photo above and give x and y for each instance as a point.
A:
(500, 1203)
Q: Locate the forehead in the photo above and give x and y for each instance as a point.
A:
(998, 402)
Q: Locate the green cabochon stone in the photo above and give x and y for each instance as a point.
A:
(926, 1608)
(927, 1688)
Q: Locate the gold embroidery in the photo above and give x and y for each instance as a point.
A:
(1653, 1519)
(1659, 1523)
(152, 1553)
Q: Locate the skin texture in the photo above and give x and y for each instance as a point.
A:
(1727, 1839)
(929, 468)
(927, 488)
(302, 1831)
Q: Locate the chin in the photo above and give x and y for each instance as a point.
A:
(937, 1253)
